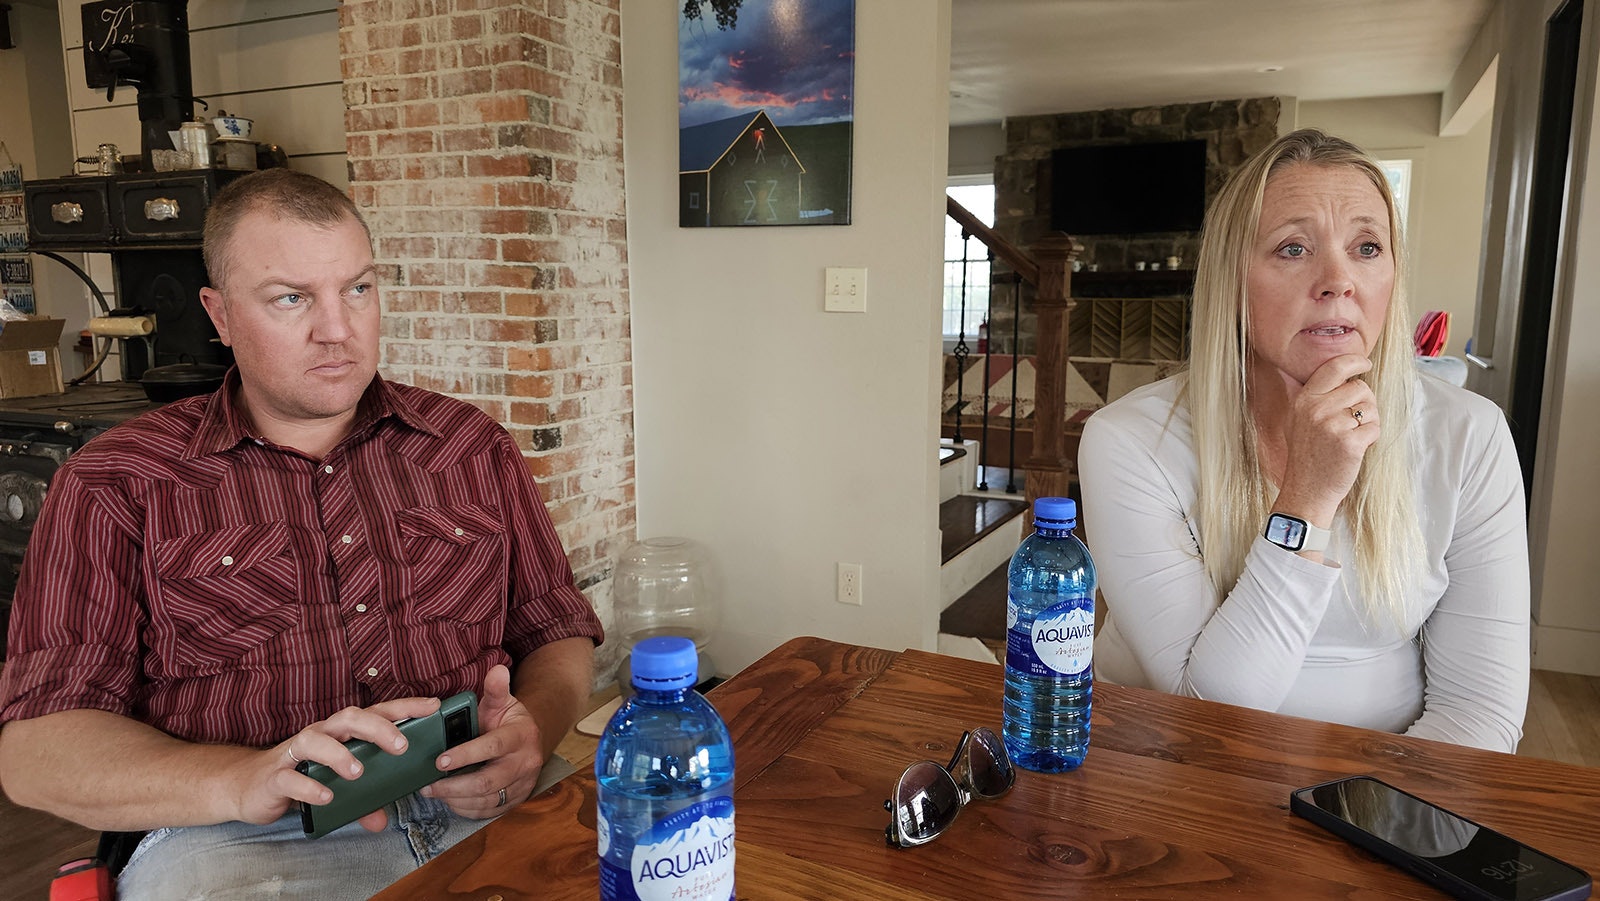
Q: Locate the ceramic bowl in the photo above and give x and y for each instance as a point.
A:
(233, 127)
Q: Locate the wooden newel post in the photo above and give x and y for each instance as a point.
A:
(1049, 471)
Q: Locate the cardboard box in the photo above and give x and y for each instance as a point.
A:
(30, 357)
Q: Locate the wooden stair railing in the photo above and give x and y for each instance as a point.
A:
(1049, 271)
(1013, 256)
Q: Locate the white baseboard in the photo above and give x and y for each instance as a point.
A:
(1566, 650)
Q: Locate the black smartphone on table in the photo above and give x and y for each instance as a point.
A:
(1444, 849)
(386, 777)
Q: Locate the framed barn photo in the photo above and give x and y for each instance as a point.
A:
(766, 101)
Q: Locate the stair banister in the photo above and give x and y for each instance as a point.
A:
(1005, 250)
(1049, 471)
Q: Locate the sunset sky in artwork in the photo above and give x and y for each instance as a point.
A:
(793, 58)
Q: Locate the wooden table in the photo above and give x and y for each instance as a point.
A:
(1179, 798)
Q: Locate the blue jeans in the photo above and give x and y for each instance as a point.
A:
(240, 860)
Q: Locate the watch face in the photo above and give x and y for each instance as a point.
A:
(1286, 531)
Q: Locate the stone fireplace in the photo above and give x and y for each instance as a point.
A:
(1232, 130)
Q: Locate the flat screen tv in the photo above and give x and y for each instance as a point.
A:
(1129, 188)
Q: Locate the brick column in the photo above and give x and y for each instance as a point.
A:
(485, 148)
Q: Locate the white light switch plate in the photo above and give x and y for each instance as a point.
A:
(845, 290)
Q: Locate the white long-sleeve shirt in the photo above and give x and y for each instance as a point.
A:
(1291, 635)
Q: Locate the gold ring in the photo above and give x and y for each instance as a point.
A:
(290, 749)
(502, 798)
(1356, 412)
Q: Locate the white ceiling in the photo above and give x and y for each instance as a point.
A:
(1029, 57)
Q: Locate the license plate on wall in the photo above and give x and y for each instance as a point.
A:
(16, 271)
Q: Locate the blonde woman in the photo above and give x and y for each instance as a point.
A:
(1300, 522)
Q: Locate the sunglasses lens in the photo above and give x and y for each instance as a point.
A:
(925, 802)
(992, 773)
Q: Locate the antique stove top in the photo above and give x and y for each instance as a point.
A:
(37, 434)
(82, 408)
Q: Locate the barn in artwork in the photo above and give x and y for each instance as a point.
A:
(738, 171)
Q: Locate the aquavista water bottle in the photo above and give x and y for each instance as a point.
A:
(665, 771)
(1049, 642)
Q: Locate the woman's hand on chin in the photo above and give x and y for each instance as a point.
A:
(1328, 426)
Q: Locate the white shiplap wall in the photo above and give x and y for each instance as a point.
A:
(274, 61)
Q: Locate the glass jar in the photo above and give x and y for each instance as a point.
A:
(665, 586)
(110, 159)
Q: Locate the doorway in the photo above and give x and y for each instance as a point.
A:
(1546, 211)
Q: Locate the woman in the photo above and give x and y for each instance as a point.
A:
(1300, 522)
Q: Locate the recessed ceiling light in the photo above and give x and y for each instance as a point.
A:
(1268, 70)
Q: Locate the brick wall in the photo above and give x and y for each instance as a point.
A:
(485, 147)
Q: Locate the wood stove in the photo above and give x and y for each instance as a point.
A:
(150, 224)
(37, 435)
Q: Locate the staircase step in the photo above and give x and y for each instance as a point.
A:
(966, 518)
(981, 612)
(957, 471)
(980, 533)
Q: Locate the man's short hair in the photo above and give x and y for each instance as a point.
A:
(286, 194)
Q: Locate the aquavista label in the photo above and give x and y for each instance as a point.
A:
(686, 856)
(1059, 641)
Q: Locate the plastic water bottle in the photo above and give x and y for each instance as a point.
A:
(1049, 642)
(665, 769)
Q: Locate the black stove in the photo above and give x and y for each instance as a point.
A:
(37, 435)
(151, 224)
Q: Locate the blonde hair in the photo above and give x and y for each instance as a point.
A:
(1234, 495)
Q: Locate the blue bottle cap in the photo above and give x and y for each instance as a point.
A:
(665, 663)
(1055, 513)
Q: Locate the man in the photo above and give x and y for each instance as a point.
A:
(238, 582)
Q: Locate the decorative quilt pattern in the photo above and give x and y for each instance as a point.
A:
(1091, 384)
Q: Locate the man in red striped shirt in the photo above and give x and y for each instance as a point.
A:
(238, 582)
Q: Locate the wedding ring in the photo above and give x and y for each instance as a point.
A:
(290, 749)
(1356, 412)
(502, 798)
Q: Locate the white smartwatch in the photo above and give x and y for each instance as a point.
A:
(1295, 534)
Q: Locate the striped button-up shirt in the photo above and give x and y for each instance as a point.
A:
(197, 578)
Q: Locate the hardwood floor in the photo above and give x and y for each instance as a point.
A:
(1563, 721)
(32, 845)
(1563, 724)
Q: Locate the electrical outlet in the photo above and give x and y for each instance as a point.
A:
(844, 290)
(850, 584)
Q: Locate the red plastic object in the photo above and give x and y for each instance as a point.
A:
(86, 879)
(1432, 332)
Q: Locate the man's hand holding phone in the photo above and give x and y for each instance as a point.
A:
(508, 749)
(346, 768)
(268, 782)
(356, 778)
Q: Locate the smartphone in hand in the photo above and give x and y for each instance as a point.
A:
(1444, 849)
(384, 776)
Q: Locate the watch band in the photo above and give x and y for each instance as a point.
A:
(1295, 534)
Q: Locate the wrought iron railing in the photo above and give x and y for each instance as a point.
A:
(1047, 276)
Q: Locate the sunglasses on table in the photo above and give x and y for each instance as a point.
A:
(928, 796)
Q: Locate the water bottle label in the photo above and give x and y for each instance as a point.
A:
(684, 856)
(1059, 643)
